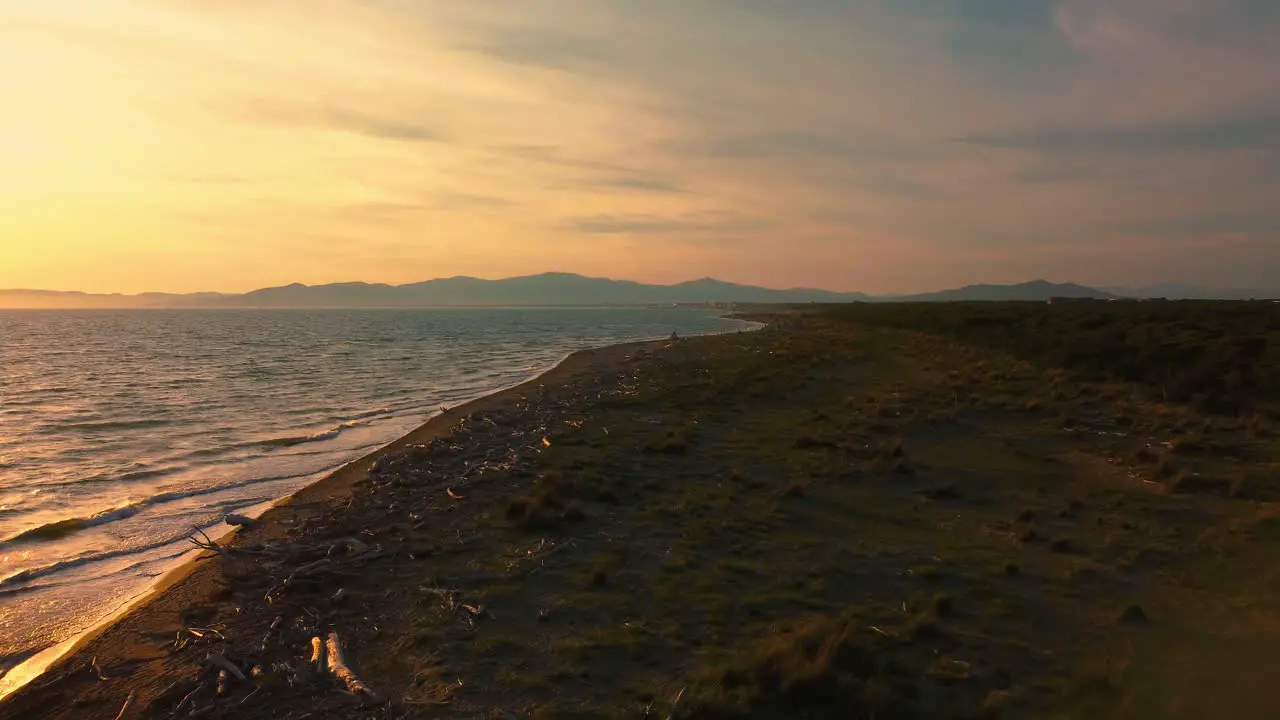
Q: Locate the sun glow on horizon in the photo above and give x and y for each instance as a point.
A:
(177, 145)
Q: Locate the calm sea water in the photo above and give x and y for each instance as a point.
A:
(121, 431)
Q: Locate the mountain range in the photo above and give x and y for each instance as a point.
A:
(565, 289)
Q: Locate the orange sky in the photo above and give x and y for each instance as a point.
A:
(880, 145)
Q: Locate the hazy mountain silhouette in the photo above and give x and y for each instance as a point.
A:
(546, 289)
(1036, 290)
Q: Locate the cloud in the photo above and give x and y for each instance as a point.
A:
(542, 47)
(464, 202)
(213, 179)
(1055, 173)
(1245, 132)
(589, 173)
(338, 118)
(880, 143)
(699, 223)
(361, 123)
(635, 182)
(556, 156)
(778, 144)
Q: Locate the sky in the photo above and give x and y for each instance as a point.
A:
(873, 145)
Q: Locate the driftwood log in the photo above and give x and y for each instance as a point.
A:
(340, 670)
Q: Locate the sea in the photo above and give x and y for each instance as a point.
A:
(122, 431)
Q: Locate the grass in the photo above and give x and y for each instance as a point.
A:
(1220, 357)
(862, 516)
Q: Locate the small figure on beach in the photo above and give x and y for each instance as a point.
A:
(674, 336)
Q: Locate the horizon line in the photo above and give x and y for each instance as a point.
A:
(708, 278)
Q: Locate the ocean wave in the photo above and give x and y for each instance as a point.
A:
(323, 435)
(88, 426)
(370, 414)
(66, 526)
(108, 477)
(11, 591)
(184, 382)
(8, 582)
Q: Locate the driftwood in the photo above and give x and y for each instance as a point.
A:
(312, 568)
(675, 704)
(206, 543)
(350, 546)
(125, 708)
(239, 520)
(305, 570)
(266, 638)
(339, 668)
(222, 663)
(318, 655)
(190, 697)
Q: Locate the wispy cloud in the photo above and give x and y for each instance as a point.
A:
(879, 145)
(339, 118)
(1247, 132)
(697, 223)
(634, 183)
(543, 47)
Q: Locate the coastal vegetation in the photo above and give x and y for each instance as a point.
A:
(1220, 357)
(1006, 510)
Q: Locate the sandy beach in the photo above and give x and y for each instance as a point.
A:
(823, 519)
(135, 643)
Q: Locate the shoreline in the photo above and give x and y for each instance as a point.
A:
(343, 475)
(824, 519)
(46, 660)
(194, 579)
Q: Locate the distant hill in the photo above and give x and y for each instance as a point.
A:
(547, 289)
(70, 300)
(567, 289)
(1179, 291)
(1036, 290)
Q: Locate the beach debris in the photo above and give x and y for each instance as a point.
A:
(1133, 615)
(448, 598)
(223, 684)
(205, 542)
(97, 670)
(350, 546)
(338, 667)
(246, 698)
(471, 615)
(270, 631)
(184, 637)
(127, 702)
(675, 704)
(306, 570)
(317, 655)
(222, 663)
(189, 698)
(237, 520)
(310, 570)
